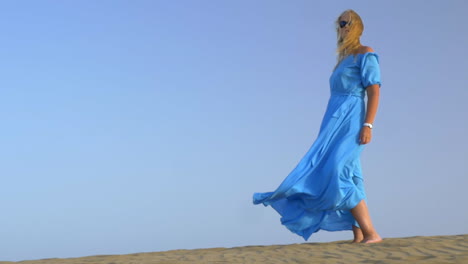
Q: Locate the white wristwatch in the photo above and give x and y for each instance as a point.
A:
(368, 125)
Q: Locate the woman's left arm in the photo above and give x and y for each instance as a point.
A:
(371, 110)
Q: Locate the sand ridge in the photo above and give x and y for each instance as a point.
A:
(419, 249)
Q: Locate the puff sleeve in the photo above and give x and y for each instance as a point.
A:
(370, 69)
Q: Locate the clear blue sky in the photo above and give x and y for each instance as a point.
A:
(137, 126)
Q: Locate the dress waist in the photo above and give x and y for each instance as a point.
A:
(361, 95)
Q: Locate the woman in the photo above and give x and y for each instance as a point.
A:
(325, 191)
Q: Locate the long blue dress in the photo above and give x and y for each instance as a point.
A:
(327, 182)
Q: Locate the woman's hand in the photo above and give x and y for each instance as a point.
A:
(365, 136)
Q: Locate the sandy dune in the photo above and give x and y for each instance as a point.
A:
(427, 250)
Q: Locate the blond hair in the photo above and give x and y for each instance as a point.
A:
(350, 44)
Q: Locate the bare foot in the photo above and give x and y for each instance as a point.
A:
(357, 234)
(373, 239)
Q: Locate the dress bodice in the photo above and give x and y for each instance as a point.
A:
(355, 73)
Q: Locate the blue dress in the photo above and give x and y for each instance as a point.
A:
(327, 182)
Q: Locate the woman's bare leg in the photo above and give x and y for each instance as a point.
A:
(361, 214)
(358, 236)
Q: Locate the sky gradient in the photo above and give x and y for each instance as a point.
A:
(139, 126)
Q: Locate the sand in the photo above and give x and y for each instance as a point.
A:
(419, 249)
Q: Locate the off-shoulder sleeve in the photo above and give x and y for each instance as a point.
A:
(370, 69)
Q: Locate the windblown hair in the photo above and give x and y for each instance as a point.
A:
(351, 43)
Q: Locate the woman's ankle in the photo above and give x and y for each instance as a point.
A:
(357, 233)
(373, 235)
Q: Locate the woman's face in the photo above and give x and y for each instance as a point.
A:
(343, 31)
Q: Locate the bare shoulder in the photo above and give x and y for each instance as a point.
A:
(365, 49)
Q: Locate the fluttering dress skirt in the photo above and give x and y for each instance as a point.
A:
(327, 183)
